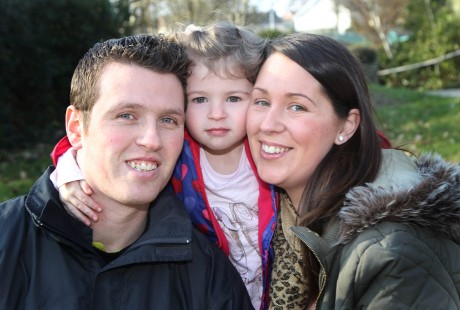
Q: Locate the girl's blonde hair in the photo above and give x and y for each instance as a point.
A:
(225, 49)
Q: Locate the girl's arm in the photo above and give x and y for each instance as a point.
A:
(76, 198)
(74, 192)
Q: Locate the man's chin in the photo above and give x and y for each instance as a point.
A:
(143, 198)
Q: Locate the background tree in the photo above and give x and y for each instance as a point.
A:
(432, 28)
(40, 44)
(376, 19)
(411, 31)
(153, 16)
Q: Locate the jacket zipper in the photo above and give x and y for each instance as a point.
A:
(323, 274)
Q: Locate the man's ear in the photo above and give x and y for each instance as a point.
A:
(74, 126)
(349, 127)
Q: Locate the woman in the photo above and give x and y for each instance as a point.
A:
(373, 229)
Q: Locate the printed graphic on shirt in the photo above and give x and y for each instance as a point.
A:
(239, 222)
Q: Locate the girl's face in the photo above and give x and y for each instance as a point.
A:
(291, 125)
(216, 111)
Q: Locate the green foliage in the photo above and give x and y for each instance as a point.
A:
(433, 32)
(368, 58)
(41, 42)
(20, 169)
(419, 122)
(367, 55)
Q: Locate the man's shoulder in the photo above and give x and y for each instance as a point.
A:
(13, 220)
(22, 209)
(12, 208)
(168, 205)
(203, 247)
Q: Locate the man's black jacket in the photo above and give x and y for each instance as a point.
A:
(47, 261)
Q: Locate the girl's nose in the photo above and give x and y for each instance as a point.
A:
(217, 112)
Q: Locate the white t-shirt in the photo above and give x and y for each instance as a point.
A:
(233, 199)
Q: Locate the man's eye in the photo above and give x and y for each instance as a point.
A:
(199, 99)
(169, 120)
(233, 99)
(126, 116)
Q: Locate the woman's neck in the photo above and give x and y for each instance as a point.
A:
(295, 197)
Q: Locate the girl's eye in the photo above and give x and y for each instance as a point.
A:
(126, 116)
(233, 99)
(297, 108)
(199, 99)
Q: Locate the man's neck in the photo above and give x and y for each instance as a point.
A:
(119, 226)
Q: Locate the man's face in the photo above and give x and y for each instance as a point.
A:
(134, 135)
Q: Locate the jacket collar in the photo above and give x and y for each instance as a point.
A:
(422, 192)
(47, 212)
(168, 222)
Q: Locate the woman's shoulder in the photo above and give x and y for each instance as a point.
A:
(394, 265)
(394, 237)
(399, 250)
(431, 202)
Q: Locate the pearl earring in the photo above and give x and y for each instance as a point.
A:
(341, 138)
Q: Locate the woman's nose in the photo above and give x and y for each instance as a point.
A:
(272, 121)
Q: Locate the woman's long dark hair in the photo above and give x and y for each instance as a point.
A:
(353, 163)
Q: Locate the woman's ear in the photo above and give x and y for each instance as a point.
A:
(74, 126)
(349, 127)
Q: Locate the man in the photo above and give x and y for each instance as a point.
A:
(126, 124)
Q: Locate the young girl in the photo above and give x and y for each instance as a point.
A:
(215, 175)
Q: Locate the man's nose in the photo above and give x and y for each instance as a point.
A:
(149, 136)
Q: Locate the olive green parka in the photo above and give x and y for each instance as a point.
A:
(395, 242)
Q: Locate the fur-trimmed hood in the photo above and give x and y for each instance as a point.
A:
(423, 192)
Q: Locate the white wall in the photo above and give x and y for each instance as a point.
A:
(319, 15)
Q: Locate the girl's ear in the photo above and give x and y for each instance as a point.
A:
(74, 126)
(349, 127)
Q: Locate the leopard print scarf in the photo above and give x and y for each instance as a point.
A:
(288, 283)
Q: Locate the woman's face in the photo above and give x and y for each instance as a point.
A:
(291, 125)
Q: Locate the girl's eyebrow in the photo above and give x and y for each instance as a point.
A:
(199, 92)
(237, 91)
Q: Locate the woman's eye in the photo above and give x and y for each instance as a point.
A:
(199, 99)
(297, 108)
(233, 99)
(262, 103)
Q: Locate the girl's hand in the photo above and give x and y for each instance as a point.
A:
(75, 196)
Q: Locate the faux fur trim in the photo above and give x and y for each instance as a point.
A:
(433, 203)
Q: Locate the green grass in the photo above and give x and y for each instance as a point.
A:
(20, 169)
(417, 122)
